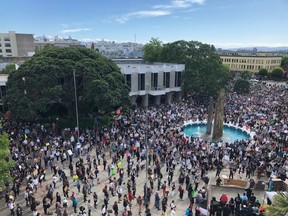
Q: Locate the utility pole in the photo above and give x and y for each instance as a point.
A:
(76, 105)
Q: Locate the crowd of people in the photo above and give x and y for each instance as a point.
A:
(151, 140)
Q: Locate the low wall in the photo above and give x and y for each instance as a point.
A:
(235, 183)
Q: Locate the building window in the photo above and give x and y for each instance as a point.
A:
(166, 80)
(178, 76)
(7, 45)
(0, 50)
(154, 80)
(128, 80)
(6, 38)
(8, 51)
(141, 82)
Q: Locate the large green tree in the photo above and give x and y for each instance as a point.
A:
(246, 75)
(284, 61)
(279, 206)
(242, 86)
(153, 50)
(44, 85)
(277, 73)
(204, 73)
(5, 161)
(263, 72)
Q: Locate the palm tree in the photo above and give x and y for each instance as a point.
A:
(279, 205)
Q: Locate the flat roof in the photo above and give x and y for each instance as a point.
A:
(248, 56)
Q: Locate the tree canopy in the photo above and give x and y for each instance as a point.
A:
(284, 61)
(246, 75)
(242, 86)
(277, 73)
(152, 50)
(6, 163)
(204, 73)
(44, 86)
(263, 72)
(280, 205)
(8, 69)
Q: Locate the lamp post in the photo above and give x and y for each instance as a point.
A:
(146, 141)
(76, 105)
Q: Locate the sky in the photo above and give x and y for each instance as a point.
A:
(224, 23)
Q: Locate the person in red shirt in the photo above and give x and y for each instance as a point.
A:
(224, 198)
(130, 196)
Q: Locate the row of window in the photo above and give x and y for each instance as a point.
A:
(6, 45)
(251, 61)
(154, 80)
(6, 50)
(5, 38)
(249, 67)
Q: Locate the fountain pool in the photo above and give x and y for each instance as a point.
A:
(230, 133)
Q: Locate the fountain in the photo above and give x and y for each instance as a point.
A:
(226, 132)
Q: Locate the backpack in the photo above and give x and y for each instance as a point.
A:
(19, 210)
(95, 196)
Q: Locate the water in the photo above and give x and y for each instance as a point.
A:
(230, 134)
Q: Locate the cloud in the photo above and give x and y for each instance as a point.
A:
(141, 14)
(158, 10)
(179, 4)
(75, 30)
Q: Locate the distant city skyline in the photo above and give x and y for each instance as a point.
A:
(223, 23)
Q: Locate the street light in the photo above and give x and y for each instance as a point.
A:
(76, 105)
(146, 140)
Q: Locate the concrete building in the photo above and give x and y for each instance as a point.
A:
(161, 81)
(16, 45)
(251, 63)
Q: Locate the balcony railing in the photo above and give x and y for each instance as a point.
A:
(158, 88)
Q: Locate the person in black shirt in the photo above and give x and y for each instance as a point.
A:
(248, 192)
(252, 198)
(19, 210)
(219, 210)
(213, 206)
(232, 205)
(226, 210)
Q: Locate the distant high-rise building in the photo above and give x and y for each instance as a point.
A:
(16, 45)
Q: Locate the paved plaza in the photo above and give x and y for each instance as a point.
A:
(104, 180)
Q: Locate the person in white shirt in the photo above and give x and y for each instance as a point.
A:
(54, 180)
(35, 184)
(103, 210)
(172, 205)
(26, 195)
(173, 212)
(11, 207)
(119, 192)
